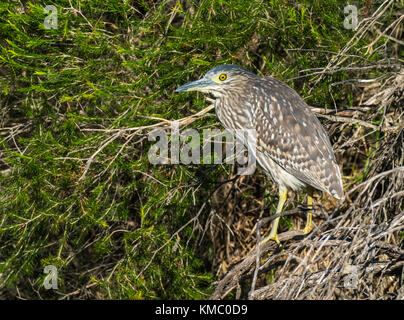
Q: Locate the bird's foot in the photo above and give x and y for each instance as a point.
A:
(276, 239)
(307, 229)
(273, 237)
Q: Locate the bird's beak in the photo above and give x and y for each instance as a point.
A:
(198, 85)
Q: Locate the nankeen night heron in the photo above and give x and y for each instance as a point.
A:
(291, 145)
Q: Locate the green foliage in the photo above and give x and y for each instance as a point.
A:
(107, 65)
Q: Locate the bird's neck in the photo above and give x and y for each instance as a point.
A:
(233, 115)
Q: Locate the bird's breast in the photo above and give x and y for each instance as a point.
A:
(234, 113)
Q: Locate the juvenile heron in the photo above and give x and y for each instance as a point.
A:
(291, 145)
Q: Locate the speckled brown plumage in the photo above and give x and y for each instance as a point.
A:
(291, 146)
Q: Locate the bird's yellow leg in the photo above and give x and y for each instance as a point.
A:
(307, 228)
(283, 193)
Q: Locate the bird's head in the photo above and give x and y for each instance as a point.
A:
(220, 80)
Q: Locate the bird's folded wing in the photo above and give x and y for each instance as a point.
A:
(294, 138)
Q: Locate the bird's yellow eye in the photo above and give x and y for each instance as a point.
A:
(223, 77)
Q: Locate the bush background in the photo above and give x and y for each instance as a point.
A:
(76, 188)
